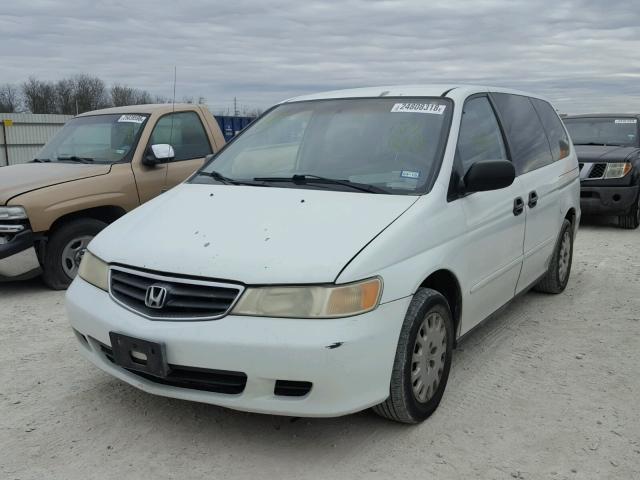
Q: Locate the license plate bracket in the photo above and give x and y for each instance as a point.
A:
(139, 355)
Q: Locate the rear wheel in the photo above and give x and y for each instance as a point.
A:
(557, 276)
(65, 249)
(632, 219)
(423, 360)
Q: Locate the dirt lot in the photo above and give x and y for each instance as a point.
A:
(550, 389)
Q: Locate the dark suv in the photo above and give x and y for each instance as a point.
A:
(609, 154)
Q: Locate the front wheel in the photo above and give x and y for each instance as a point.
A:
(65, 249)
(423, 360)
(632, 219)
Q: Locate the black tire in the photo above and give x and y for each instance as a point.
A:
(632, 219)
(402, 404)
(554, 281)
(54, 274)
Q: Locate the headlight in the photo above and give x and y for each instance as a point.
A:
(12, 213)
(94, 271)
(617, 170)
(311, 301)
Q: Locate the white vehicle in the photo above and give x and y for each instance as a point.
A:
(330, 257)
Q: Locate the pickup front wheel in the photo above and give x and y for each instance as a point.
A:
(632, 219)
(65, 249)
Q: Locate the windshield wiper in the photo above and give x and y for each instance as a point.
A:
(303, 179)
(74, 158)
(230, 181)
(40, 160)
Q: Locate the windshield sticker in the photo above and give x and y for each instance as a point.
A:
(132, 118)
(409, 174)
(435, 108)
(627, 120)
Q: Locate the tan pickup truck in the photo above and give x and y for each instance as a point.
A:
(98, 167)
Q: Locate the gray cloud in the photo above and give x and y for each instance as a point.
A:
(583, 54)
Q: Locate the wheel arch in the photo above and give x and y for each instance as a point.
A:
(445, 282)
(106, 213)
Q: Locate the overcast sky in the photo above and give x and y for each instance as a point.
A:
(583, 54)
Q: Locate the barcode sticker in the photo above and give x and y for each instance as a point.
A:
(627, 120)
(132, 118)
(435, 108)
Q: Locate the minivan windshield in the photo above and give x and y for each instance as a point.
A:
(377, 145)
(620, 131)
(94, 139)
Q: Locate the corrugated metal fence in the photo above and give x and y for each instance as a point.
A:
(25, 135)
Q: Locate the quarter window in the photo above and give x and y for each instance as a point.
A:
(557, 135)
(527, 139)
(185, 133)
(480, 137)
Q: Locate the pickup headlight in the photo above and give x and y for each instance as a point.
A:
(617, 170)
(13, 213)
(94, 271)
(322, 301)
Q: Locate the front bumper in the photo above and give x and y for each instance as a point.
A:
(348, 360)
(18, 257)
(595, 200)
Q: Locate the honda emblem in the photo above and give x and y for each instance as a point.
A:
(155, 297)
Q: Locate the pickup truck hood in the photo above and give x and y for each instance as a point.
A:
(18, 179)
(253, 235)
(604, 154)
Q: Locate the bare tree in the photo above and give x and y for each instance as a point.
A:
(91, 93)
(9, 98)
(143, 97)
(39, 96)
(66, 96)
(122, 95)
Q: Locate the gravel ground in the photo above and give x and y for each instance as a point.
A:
(549, 389)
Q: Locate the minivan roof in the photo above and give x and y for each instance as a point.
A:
(148, 108)
(453, 91)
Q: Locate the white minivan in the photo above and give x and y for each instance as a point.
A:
(330, 257)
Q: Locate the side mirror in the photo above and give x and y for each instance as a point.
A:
(489, 175)
(159, 153)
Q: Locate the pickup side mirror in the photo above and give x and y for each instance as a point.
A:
(489, 175)
(158, 153)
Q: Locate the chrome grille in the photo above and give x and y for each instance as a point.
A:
(183, 299)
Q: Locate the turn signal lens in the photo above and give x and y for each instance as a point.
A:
(617, 170)
(311, 301)
(360, 297)
(94, 271)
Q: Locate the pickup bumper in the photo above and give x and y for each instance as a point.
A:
(596, 200)
(18, 257)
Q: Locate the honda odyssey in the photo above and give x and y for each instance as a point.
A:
(330, 257)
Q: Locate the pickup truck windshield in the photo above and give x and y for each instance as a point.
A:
(94, 139)
(376, 145)
(622, 131)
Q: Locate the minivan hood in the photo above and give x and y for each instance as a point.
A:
(604, 154)
(19, 179)
(253, 235)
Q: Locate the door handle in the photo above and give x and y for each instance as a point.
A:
(518, 206)
(533, 199)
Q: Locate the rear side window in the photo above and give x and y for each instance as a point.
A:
(480, 137)
(185, 133)
(527, 138)
(557, 135)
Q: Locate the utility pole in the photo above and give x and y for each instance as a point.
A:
(235, 107)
